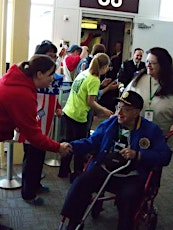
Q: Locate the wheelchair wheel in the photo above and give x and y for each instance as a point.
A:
(153, 222)
(97, 208)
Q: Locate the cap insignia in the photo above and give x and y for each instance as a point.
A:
(125, 95)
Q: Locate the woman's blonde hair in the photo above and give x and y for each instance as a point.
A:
(99, 60)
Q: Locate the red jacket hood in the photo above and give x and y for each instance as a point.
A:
(18, 109)
(15, 77)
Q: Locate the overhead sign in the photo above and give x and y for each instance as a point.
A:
(130, 6)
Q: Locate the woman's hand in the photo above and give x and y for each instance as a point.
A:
(65, 148)
(106, 112)
(58, 113)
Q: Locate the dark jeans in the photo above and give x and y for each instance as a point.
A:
(74, 131)
(31, 171)
(127, 189)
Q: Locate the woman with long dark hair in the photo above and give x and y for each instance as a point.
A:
(155, 85)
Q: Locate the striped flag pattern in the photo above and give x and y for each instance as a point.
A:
(47, 101)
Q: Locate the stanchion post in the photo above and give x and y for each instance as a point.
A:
(10, 182)
(9, 160)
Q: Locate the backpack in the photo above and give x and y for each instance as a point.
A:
(83, 64)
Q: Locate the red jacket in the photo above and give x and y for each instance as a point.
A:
(18, 109)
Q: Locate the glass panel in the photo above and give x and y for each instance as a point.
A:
(166, 7)
(40, 26)
(41, 23)
(9, 28)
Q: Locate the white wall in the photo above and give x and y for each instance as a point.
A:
(67, 3)
(67, 30)
(160, 34)
(149, 9)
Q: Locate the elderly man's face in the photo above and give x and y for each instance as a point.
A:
(126, 114)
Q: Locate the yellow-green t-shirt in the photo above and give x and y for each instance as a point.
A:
(76, 106)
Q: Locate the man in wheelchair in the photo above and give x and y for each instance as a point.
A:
(125, 136)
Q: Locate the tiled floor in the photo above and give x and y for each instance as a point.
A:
(22, 216)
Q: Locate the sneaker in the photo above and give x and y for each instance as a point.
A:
(37, 201)
(43, 189)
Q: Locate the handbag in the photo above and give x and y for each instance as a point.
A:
(113, 160)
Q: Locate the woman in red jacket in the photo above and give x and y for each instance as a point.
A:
(18, 103)
(47, 106)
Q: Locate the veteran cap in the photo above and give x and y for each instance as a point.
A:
(132, 98)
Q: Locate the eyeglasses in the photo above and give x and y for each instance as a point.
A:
(124, 109)
(151, 62)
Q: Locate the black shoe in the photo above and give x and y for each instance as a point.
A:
(3, 227)
(37, 201)
(64, 169)
(64, 173)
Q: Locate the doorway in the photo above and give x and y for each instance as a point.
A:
(107, 31)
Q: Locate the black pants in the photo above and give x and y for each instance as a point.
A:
(31, 171)
(127, 189)
(74, 131)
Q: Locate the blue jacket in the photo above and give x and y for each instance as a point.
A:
(146, 138)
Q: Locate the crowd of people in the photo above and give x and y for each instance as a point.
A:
(142, 112)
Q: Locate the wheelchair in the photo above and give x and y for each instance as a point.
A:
(146, 215)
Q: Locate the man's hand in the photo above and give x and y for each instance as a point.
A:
(65, 148)
(128, 153)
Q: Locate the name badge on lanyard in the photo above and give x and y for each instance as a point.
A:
(40, 114)
(149, 114)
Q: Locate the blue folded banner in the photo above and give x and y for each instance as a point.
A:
(58, 76)
(54, 87)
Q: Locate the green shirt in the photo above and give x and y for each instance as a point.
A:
(84, 85)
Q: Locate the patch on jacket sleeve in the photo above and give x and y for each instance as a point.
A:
(144, 143)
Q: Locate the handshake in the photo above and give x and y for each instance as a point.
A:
(65, 149)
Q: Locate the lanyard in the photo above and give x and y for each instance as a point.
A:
(152, 96)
